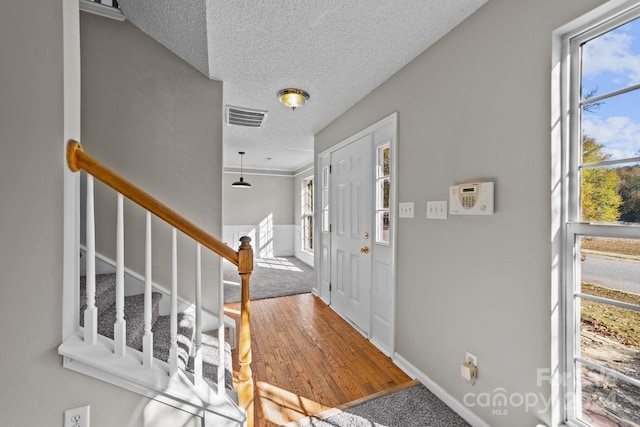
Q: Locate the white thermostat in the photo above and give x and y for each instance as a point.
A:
(471, 199)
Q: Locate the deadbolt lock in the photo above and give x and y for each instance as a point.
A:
(365, 235)
(364, 249)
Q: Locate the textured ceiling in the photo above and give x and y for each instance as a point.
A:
(181, 26)
(338, 51)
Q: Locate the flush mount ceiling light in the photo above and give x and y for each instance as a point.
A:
(293, 98)
(242, 183)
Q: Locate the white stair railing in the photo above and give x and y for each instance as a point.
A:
(120, 333)
(119, 327)
(243, 258)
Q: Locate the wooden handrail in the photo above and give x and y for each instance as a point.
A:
(78, 160)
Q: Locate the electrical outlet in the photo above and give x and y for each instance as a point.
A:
(77, 417)
(471, 357)
(406, 209)
(469, 372)
(469, 369)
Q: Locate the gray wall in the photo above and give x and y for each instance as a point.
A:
(476, 106)
(36, 389)
(158, 122)
(269, 194)
(35, 386)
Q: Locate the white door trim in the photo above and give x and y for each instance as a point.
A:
(388, 344)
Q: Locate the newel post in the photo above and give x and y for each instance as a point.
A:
(245, 375)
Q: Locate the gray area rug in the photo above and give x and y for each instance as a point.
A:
(271, 278)
(413, 407)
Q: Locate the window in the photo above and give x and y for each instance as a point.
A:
(307, 214)
(602, 211)
(383, 186)
(325, 199)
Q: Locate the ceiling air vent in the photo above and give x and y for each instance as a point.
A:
(238, 116)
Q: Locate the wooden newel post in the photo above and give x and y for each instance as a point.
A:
(245, 375)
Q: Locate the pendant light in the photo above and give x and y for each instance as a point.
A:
(242, 183)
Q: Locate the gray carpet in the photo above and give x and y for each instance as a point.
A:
(413, 407)
(271, 277)
(134, 316)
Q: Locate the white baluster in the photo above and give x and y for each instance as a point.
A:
(173, 351)
(221, 339)
(120, 327)
(221, 370)
(197, 361)
(91, 312)
(147, 339)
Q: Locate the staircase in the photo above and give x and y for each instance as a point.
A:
(134, 315)
(144, 338)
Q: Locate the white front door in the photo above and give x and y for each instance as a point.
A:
(351, 216)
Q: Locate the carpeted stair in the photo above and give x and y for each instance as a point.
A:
(134, 316)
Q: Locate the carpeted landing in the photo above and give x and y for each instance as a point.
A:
(414, 406)
(271, 278)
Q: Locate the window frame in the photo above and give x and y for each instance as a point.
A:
(379, 208)
(571, 227)
(306, 214)
(325, 222)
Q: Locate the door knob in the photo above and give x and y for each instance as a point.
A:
(364, 250)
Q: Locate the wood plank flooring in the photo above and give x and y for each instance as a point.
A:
(307, 359)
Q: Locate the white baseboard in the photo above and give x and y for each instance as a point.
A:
(380, 346)
(441, 393)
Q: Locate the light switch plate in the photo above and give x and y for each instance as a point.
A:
(437, 209)
(406, 210)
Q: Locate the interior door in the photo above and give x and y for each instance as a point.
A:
(351, 216)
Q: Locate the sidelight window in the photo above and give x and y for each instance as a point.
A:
(383, 193)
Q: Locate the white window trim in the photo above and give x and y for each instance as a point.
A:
(376, 182)
(565, 124)
(303, 214)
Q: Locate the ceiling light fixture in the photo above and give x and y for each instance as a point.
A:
(242, 183)
(293, 98)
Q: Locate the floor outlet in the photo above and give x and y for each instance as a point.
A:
(77, 417)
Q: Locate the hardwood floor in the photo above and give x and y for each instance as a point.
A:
(307, 359)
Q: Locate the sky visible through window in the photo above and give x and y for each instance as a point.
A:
(611, 62)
